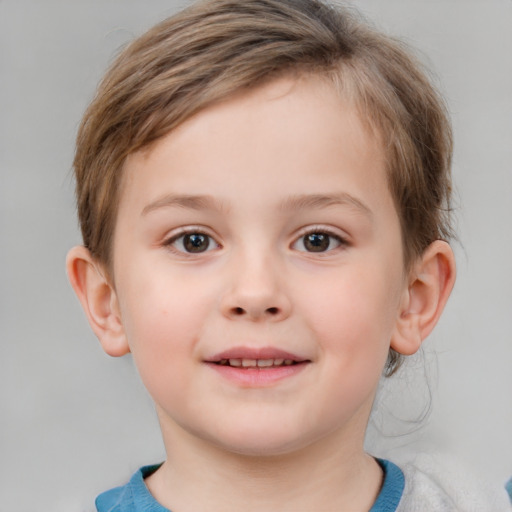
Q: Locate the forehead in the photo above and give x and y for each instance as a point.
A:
(299, 128)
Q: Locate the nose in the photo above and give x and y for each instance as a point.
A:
(255, 292)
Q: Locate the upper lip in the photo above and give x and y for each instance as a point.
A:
(255, 353)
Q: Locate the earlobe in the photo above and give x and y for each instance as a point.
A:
(98, 299)
(431, 282)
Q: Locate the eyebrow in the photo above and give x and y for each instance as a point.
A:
(306, 201)
(194, 202)
(293, 203)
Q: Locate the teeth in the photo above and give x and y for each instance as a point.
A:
(255, 363)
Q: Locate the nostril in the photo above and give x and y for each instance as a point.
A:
(238, 311)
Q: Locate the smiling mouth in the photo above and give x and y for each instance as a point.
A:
(249, 359)
(249, 367)
(257, 364)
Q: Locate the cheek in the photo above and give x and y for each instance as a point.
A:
(353, 316)
(162, 319)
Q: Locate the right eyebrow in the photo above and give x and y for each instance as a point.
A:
(193, 202)
(324, 201)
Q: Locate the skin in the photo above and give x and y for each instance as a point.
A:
(255, 176)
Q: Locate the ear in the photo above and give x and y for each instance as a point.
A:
(98, 298)
(429, 286)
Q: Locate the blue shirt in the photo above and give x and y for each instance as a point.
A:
(135, 496)
(508, 487)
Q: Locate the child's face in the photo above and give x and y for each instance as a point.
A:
(261, 229)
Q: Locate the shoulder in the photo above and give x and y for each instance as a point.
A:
(114, 500)
(132, 497)
(441, 484)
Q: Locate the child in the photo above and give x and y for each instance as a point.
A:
(263, 189)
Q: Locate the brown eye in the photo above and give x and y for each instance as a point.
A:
(196, 242)
(192, 243)
(317, 241)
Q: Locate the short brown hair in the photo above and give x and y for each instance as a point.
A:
(215, 48)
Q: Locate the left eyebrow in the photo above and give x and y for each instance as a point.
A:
(306, 201)
(193, 202)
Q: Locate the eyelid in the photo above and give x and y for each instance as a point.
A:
(178, 233)
(332, 232)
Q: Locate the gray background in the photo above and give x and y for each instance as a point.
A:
(74, 421)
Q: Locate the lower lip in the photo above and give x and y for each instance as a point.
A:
(257, 377)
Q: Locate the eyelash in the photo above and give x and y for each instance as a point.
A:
(340, 241)
(172, 241)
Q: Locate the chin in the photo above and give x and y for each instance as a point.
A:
(261, 442)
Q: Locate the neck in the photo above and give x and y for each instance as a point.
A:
(199, 476)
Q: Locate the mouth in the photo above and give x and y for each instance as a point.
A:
(257, 364)
(247, 367)
(266, 358)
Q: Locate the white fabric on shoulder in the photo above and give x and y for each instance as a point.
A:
(438, 483)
